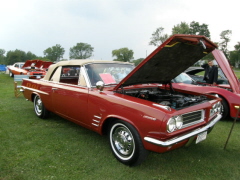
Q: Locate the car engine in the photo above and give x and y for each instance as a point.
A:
(164, 97)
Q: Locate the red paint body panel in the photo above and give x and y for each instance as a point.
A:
(81, 105)
(94, 109)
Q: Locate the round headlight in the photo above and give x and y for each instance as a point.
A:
(179, 122)
(171, 125)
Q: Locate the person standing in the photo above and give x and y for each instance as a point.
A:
(211, 73)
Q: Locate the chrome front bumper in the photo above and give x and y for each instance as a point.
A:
(186, 136)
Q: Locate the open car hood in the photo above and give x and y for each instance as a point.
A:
(170, 59)
(37, 64)
(29, 63)
(227, 70)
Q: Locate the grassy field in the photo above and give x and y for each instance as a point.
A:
(36, 149)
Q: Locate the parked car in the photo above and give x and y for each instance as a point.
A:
(228, 92)
(16, 69)
(131, 105)
(193, 72)
(36, 69)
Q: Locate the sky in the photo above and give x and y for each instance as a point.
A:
(35, 25)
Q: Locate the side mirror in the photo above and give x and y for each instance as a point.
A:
(100, 86)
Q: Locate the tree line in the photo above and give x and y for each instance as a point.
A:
(84, 50)
(54, 54)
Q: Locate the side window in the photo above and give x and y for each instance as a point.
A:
(70, 74)
(56, 75)
(16, 65)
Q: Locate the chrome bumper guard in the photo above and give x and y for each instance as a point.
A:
(184, 137)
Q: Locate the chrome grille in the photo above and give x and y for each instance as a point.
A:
(193, 118)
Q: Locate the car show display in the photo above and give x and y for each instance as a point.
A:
(138, 108)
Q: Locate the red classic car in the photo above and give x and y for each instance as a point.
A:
(228, 88)
(34, 68)
(132, 105)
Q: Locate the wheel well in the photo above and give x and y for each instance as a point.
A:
(32, 96)
(106, 124)
(227, 109)
(220, 96)
(224, 99)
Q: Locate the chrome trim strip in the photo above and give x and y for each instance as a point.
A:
(35, 90)
(96, 121)
(184, 137)
(98, 117)
(95, 124)
(163, 107)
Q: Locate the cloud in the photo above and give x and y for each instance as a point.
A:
(35, 25)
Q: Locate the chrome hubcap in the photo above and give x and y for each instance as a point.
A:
(123, 141)
(38, 106)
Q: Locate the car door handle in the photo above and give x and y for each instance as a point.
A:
(54, 89)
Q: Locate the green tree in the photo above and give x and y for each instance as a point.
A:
(15, 56)
(30, 56)
(2, 57)
(54, 53)
(138, 61)
(225, 37)
(81, 51)
(234, 56)
(182, 28)
(123, 54)
(197, 29)
(158, 37)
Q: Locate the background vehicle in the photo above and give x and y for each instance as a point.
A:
(36, 69)
(229, 92)
(16, 69)
(193, 72)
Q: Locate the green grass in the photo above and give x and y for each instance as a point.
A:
(36, 149)
(237, 72)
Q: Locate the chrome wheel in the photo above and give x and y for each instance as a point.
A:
(122, 141)
(10, 74)
(126, 144)
(39, 108)
(38, 105)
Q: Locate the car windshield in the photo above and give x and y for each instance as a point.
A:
(221, 74)
(183, 78)
(111, 73)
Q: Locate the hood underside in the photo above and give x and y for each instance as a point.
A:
(170, 59)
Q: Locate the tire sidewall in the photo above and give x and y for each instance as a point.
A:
(10, 74)
(134, 157)
(34, 102)
(225, 109)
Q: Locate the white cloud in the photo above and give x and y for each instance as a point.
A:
(35, 25)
